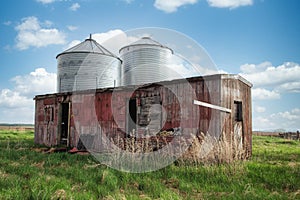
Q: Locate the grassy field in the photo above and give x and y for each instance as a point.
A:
(272, 173)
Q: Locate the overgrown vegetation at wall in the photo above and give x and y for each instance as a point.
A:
(272, 173)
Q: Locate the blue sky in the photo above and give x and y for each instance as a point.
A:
(258, 39)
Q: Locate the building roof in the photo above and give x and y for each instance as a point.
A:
(88, 46)
(134, 87)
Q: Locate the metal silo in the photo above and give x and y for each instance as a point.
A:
(146, 61)
(87, 65)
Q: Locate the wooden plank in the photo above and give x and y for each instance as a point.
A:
(208, 105)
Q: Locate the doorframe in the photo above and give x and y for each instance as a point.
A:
(128, 115)
(60, 120)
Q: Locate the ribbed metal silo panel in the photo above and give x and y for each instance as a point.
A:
(98, 70)
(146, 64)
(85, 66)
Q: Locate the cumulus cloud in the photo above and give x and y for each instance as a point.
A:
(36, 82)
(13, 99)
(294, 114)
(75, 6)
(72, 44)
(112, 40)
(45, 1)
(291, 87)
(278, 79)
(287, 120)
(260, 109)
(271, 83)
(264, 94)
(32, 34)
(266, 74)
(172, 6)
(229, 3)
(263, 123)
(128, 1)
(17, 105)
(72, 28)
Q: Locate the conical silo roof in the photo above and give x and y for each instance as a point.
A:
(85, 66)
(88, 46)
(146, 41)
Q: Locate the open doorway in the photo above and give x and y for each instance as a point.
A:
(131, 116)
(238, 125)
(64, 127)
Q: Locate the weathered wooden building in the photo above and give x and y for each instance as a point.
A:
(62, 118)
(103, 100)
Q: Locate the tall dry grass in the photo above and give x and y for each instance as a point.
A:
(201, 149)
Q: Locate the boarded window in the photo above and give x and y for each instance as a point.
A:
(49, 114)
(238, 111)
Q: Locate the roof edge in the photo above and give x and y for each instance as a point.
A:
(112, 55)
(237, 77)
(190, 79)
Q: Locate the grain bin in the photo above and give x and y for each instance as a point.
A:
(146, 61)
(87, 65)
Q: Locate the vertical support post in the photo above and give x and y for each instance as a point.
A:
(69, 125)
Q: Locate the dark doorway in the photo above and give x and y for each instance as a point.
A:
(238, 111)
(238, 126)
(64, 132)
(132, 116)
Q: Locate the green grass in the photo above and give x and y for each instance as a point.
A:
(272, 173)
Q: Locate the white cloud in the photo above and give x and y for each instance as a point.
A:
(113, 40)
(287, 120)
(24, 115)
(37, 82)
(72, 28)
(263, 123)
(266, 74)
(48, 23)
(17, 105)
(264, 94)
(30, 33)
(271, 83)
(293, 87)
(72, 44)
(252, 68)
(260, 109)
(7, 23)
(45, 1)
(172, 6)
(288, 115)
(13, 99)
(229, 3)
(281, 79)
(128, 1)
(75, 6)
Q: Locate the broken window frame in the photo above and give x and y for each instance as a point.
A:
(49, 114)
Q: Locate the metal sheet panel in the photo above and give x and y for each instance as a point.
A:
(83, 71)
(146, 64)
